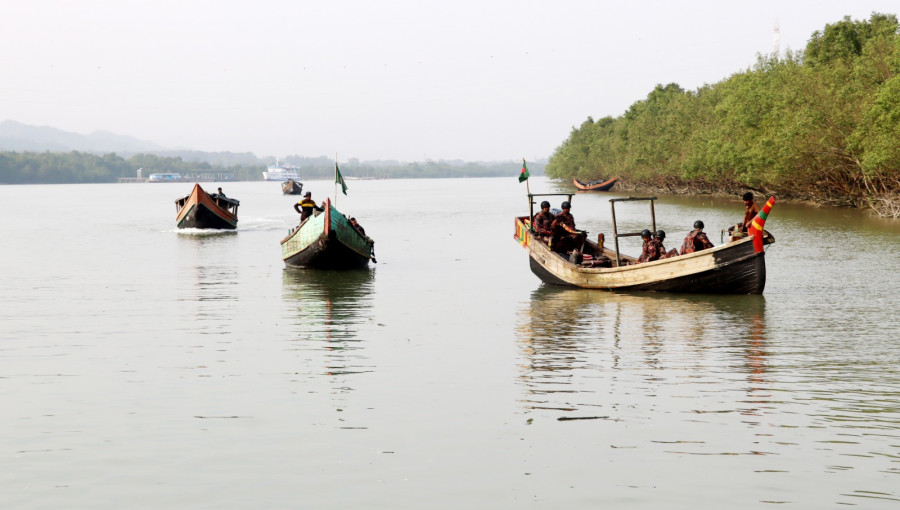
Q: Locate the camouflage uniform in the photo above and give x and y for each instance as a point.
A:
(543, 224)
(565, 236)
(695, 241)
(652, 250)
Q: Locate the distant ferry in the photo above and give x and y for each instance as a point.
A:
(167, 177)
(281, 173)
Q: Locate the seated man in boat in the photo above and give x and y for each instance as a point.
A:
(306, 206)
(650, 250)
(220, 194)
(542, 224)
(565, 236)
(696, 240)
(357, 226)
(659, 239)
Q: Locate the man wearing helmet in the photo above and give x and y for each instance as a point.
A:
(565, 236)
(650, 250)
(542, 224)
(696, 240)
(659, 239)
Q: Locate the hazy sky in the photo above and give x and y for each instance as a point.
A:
(406, 80)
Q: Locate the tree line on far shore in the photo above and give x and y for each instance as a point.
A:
(83, 167)
(821, 125)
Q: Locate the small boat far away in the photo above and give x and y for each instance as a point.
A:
(597, 185)
(291, 187)
(327, 240)
(200, 209)
(736, 267)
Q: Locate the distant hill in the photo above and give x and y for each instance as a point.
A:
(15, 136)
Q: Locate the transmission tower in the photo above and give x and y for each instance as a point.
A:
(776, 50)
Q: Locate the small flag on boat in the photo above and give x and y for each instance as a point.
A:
(339, 179)
(524, 175)
(756, 226)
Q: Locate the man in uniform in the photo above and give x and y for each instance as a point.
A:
(659, 239)
(565, 236)
(650, 249)
(696, 240)
(306, 206)
(542, 224)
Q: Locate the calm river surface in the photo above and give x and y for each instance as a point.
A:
(144, 367)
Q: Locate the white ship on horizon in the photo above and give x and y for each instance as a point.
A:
(281, 173)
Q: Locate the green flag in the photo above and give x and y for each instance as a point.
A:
(339, 179)
(524, 175)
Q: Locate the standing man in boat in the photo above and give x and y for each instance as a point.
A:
(306, 206)
(221, 195)
(696, 240)
(542, 224)
(750, 212)
(565, 236)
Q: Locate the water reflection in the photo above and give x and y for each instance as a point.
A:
(208, 283)
(572, 338)
(327, 310)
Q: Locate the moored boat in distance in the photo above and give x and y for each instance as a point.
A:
(597, 185)
(291, 187)
(327, 240)
(200, 209)
(737, 267)
(281, 173)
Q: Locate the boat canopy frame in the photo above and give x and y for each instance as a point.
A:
(616, 234)
(612, 204)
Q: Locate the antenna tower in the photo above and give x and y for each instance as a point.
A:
(776, 50)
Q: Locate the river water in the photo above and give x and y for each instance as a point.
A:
(144, 367)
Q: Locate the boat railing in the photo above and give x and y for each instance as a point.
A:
(616, 234)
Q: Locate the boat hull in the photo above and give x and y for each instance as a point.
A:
(200, 210)
(327, 241)
(291, 187)
(733, 268)
(595, 185)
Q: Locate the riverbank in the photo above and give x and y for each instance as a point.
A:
(881, 205)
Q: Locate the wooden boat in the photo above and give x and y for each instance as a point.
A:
(737, 267)
(327, 240)
(598, 185)
(202, 210)
(291, 187)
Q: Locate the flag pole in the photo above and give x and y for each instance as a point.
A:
(527, 185)
(335, 179)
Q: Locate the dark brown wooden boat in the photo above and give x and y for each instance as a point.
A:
(597, 185)
(291, 187)
(202, 210)
(737, 267)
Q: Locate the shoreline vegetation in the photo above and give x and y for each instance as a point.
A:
(821, 125)
(78, 167)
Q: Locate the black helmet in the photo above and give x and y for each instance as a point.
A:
(660, 234)
(645, 234)
(566, 205)
(698, 224)
(545, 204)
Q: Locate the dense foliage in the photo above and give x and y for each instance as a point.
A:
(823, 125)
